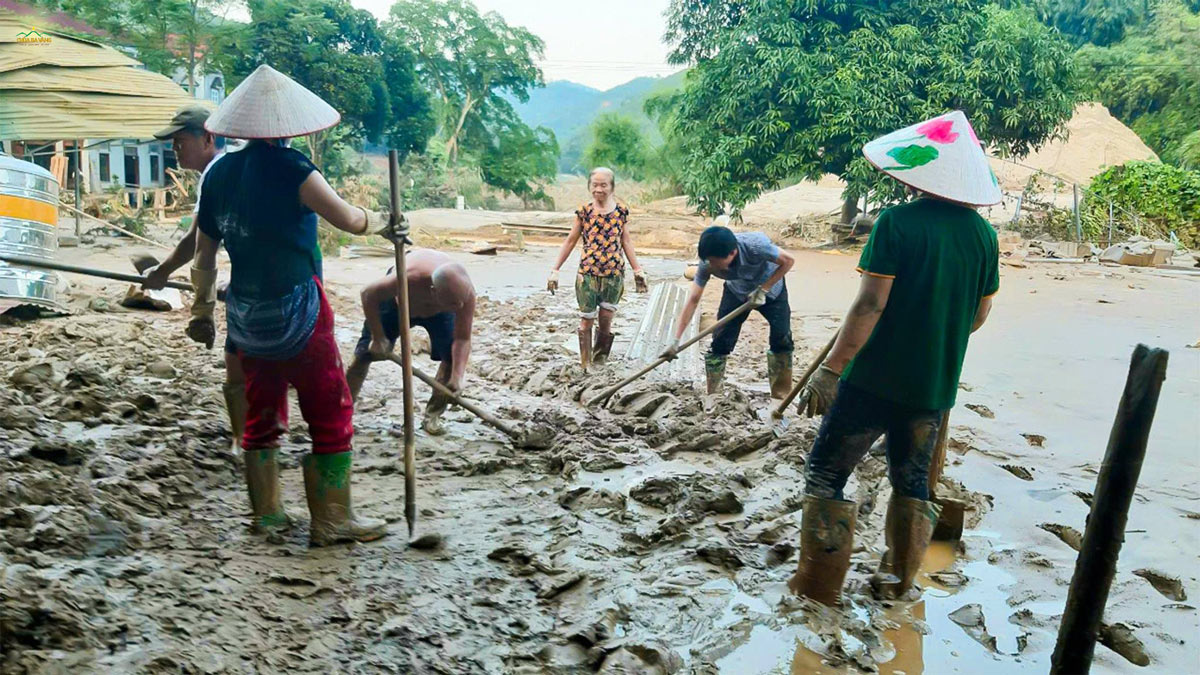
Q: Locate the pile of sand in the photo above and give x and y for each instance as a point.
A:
(1095, 140)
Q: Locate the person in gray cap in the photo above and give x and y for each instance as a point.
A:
(197, 149)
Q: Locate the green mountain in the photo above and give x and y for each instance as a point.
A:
(568, 108)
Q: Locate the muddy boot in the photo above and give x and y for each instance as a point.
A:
(714, 371)
(604, 343)
(327, 486)
(262, 481)
(779, 374)
(235, 405)
(908, 529)
(826, 540)
(432, 424)
(585, 347)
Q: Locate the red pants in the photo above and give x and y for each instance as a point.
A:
(320, 382)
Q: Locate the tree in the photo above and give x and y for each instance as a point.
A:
(797, 87)
(468, 58)
(520, 160)
(1165, 198)
(618, 143)
(1098, 22)
(338, 52)
(695, 27)
(1151, 81)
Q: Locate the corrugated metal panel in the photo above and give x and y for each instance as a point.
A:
(44, 115)
(102, 80)
(61, 51)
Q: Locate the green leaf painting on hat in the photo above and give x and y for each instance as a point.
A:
(911, 156)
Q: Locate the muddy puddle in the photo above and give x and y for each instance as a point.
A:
(654, 535)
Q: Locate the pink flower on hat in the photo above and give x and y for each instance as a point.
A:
(939, 131)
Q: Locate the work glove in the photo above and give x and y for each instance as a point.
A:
(759, 297)
(817, 395)
(202, 328)
(156, 278)
(393, 227)
(552, 282)
(671, 352)
(379, 350)
(639, 281)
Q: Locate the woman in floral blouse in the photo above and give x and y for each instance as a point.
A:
(603, 223)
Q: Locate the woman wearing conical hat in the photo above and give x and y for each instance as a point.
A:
(929, 272)
(262, 203)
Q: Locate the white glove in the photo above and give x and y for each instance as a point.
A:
(156, 278)
(552, 282)
(671, 352)
(759, 297)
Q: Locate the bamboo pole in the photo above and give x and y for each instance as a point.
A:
(410, 465)
(1097, 561)
(109, 225)
(607, 393)
(458, 400)
(26, 261)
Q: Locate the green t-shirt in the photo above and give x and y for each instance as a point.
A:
(944, 258)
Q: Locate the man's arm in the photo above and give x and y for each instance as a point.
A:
(316, 194)
(981, 313)
(860, 321)
(689, 310)
(785, 261)
(372, 296)
(460, 351)
(185, 250)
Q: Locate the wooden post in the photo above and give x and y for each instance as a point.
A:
(1097, 561)
(410, 465)
(1110, 223)
(1078, 223)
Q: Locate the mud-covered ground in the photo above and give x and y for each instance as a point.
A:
(652, 536)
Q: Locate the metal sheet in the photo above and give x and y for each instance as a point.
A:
(657, 329)
(27, 191)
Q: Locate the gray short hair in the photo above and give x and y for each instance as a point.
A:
(612, 176)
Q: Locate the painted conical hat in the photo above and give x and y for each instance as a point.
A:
(269, 104)
(941, 156)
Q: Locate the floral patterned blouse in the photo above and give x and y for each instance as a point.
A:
(602, 253)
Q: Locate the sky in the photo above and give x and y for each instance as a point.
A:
(600, 43)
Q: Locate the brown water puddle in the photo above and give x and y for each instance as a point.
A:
(943, 647)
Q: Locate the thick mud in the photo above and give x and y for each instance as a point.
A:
(654, 534)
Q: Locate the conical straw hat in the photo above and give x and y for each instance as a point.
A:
(941, 156)
(269, 104)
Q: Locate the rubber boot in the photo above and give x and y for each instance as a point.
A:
(779, 374)
(235, 405)
(826, 541)
(432, 424)
(585, 347)
(714, 371)
(262, 482)
(327, 486)
(908, 529)
(604, 343)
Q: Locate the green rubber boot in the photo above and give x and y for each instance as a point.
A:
(907, 529)
(262, 481)
(779, 374)
(327, 486)
(714, 371)
(826, 541)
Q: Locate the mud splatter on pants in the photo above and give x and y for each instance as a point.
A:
(320, 382)
(855, 420)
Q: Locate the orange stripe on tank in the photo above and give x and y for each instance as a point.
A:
(23, 208)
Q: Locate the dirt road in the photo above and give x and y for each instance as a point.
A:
(648, 538)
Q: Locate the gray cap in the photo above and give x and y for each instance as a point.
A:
(188, 117)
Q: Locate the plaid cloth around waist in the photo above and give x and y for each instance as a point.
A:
(275, 329)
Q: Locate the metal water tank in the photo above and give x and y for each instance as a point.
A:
(28, 222)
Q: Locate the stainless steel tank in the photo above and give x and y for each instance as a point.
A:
(28, 222)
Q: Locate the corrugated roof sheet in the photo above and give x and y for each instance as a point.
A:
(102, 80)
(74, 88)
(46, 115)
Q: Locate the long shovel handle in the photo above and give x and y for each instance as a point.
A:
(812, 368)
(458, 400)
(26, 261)
(410, 463)
(607, 393)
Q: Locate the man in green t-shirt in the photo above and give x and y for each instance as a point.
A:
(929, 272)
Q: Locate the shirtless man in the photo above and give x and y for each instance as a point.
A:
(442, 301)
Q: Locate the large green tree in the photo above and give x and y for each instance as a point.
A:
(469, 59)
(339, 53)
(618, 143)
(517, 159)
(796, 87)
(1151, 80)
